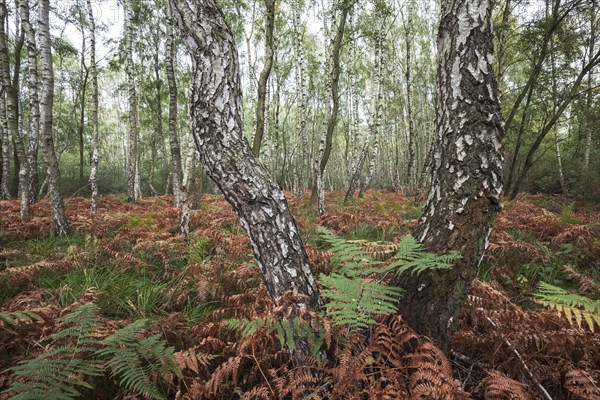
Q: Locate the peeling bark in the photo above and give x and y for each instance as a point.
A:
(61, 227)
(34, 103)
(466, 169)
(4, 192)
(228, 159)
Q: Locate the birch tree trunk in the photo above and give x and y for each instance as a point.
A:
(61, 227)
(185, 203)
(264, 75)
(378, 109)
(132, 160)
(345, 7)
(302, 87)
(228, 159)
(94, 116)
(34, 103)
(4, 192)
(10, 85)
(410, 178)
(173, 136)
(466, 169)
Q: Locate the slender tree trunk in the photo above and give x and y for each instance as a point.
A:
(34, 103)
(132, 160)
(572, 93)
(466, 170)
(6, 154)
(302, 85)
(334, 80)
(410, 178)
(188, 173)
(83, 76)
(589, 117)
(264, 75)
(173, 135)
(229, 162)
(378, 106)
(94, 116)
(12, 108)
(59, 217)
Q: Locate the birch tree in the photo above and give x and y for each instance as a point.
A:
(61, 226)
(228, 160)
(466, 169)
(95, 106)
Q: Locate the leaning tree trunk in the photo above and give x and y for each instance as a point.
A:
(264, 76)
(228, 159)
(334, 84)
(59, 217)
(34, 102)
(173, 137)
(10, 85)
(466, 170)
(132, 160)
(95, 95)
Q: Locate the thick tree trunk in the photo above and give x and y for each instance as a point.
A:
(34, 103)
(59, 217)
(466, 169)
(229, 162)
(132, 160)
(264, 75)
(95, 99)
(10, 85)
(173, 136)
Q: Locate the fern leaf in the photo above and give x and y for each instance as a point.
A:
(570, 305)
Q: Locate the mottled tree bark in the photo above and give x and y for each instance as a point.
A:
(410, 178)
(59, 217)
(34, 102)
(173, 136)
(4, 179)
(302, 87)
(588, 102)
(185, 203)
(94, 116)
(132, 159)
(228, 159)
(10, 86)
(264, 75)
(466, 169)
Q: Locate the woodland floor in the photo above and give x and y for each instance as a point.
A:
(130, 263)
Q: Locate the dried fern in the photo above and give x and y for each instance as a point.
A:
(571, 305)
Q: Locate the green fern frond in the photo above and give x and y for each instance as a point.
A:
(133, 360)
(571, 305)
(13, 318)
(59, 373)
(411, 256)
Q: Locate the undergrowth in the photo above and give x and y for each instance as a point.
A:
(170, 317)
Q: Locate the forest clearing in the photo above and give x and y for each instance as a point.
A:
(130, 262)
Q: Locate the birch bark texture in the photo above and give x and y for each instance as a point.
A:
(227, 157)
(11, 93)
(132, 167)
(466, 169)
(94, 116)
(34, 102)
(61, 227)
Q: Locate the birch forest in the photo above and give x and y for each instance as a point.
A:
(289, 199)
